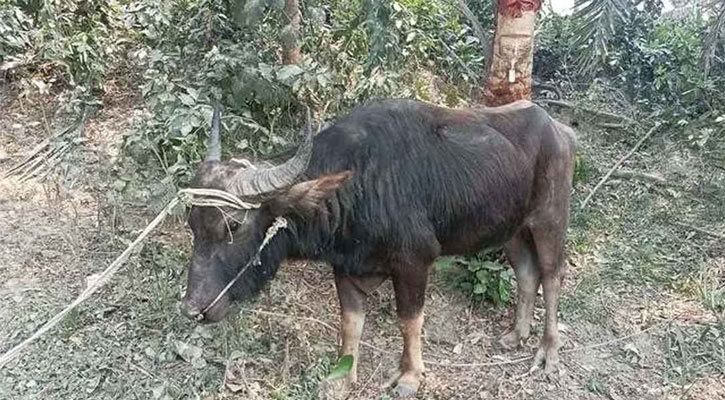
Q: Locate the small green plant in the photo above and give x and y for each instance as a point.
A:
(582, 169)
(342, 368)
(483, 275)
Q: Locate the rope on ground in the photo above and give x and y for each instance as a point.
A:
(198, 197)
(92, 288)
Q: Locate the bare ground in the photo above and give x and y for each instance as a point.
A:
(642, 312)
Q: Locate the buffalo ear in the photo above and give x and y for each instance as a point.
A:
(309, 196)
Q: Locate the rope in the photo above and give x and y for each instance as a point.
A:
(279, 223)
(214, 198)
(197, 197)
(92, 287)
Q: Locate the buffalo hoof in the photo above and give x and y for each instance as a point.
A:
(407, 385)
(510, 340)
(334, 390)
(547, 356)
(403, 390)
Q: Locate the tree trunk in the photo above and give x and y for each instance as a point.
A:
(290, 35)
(509, 69)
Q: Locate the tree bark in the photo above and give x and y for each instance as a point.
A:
(290, 35)
(509, 70)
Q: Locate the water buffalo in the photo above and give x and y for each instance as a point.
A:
(380, 194)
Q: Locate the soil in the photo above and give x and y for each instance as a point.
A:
(624, 338)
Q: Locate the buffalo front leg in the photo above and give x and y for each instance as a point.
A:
(520, 252)
(409, 284)
(352, 291)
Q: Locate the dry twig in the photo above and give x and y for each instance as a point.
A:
(600, 113)
(310, 319)
(629, 174)
(49, 152)
(486, 364)
(701, 230)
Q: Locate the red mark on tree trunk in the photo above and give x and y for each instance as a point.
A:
(514, 8)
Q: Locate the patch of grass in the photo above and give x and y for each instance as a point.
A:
(589, 301)
(583, 169)
(710, 286)
(694, 350)
(305, 386)
(583, 226)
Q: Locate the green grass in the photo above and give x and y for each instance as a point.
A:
(695, 351)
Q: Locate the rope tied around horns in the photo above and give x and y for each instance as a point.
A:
(196, 197)
(220, 199)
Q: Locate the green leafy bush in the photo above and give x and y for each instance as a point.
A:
(65, 43)
(195, 52)
(484, 276)
(15, 32)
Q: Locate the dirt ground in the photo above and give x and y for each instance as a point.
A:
(641, 314)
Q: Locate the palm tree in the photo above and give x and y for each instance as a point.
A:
(512, 51)
(510, 61)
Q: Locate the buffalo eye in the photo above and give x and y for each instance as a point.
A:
(233, 225)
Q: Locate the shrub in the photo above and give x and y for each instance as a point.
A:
(484, 276)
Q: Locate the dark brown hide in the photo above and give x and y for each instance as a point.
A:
(389, 188)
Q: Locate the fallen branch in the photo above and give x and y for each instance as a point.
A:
(619, 339)
(618, 164)
(629, 174)
(280, 315)
(486, 364)
(546, 86)
(610, 125)
(695, 228)
(98, 283)
(310, 319)
(572, 350)
(600, 113)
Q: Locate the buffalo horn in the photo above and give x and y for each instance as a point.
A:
(214, 148)
(258, 184)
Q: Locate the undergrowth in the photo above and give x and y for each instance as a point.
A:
(485, 276)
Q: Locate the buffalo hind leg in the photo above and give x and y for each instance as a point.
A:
(409, 283)
(549, 241)
(352, 291)
(520, 251)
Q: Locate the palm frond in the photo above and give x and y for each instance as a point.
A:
(598, 21)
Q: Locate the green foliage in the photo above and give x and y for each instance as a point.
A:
(555, 50)
(484, 276)
(15, 31)
(582, 169)
(63, 43)
(192, 52)
(341, 368)
(641, 63)
(597, 23)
